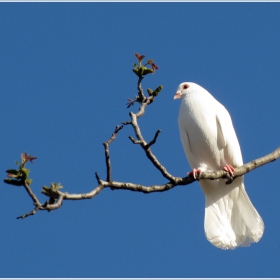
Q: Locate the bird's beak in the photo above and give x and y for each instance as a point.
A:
(177, 95)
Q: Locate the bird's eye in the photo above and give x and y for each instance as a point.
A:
(185, 86)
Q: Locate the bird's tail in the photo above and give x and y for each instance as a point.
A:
(231, 220)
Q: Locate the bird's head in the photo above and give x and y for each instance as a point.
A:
(185, 88)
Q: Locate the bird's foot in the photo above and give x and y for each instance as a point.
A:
(195, 173)
(229, 169)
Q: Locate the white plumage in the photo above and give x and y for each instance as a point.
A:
(210, 144)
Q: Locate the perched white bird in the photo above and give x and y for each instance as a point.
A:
(210, 144)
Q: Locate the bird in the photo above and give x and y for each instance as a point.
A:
(210, 144)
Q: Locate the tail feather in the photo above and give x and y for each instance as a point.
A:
(230, 217)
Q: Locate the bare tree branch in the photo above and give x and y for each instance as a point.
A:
(33, 212)
(56, 197)
(107, 156)
(140, 90)
(31, 194)
(178, 181)
(143, 106)
(147, 149)
(154, 140)
(38, 206)
(134, 141)
(126, 123)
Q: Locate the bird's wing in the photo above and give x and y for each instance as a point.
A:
(227, 138)
(230, 218)
(190, 147)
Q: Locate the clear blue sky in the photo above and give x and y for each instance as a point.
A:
(66, 74)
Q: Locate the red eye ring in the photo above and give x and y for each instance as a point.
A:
(185, 86)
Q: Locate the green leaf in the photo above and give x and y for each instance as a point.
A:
(56, 186)
(150, 91)
(13, 182)
(157, 90)
(24, 173)
(147, 71)
(53, 188)
(13, 171)
(29, 181)
(135, 70)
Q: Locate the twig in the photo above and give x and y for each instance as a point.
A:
(107, 155)
(178, 181)
(33, 212)
(246, 168)
(97, 177)
(148, 151)
(140, 90)
(143, 106)
(31, 194)
(134, 141)
(154, 140)
(126, 123)
(114, 135)
(58, 196)
(89, 195)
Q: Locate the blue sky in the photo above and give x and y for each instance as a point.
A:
(66, 74)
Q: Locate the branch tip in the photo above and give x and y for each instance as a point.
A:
(97, 177)
(126, 123)
(134, 141)
(154, 140)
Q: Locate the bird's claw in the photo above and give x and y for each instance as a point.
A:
(195, 173)
(229, 169)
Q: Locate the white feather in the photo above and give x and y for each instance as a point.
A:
(210, 143)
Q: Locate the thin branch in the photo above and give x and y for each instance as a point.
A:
(148, 151)
(107, 155)
(178, 181)
(140, 188)
(140, 90)
(89, 195)
(55, 205)
(246, 168)
(97, 177)
(33, 212)
(114, 135)
(136, 127)
(134, 141)
(31, 194)
(126, 123)
(154, 140)
(143, 106)
(130, 102)
(141, 139)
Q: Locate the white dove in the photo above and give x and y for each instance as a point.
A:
(210, 144)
